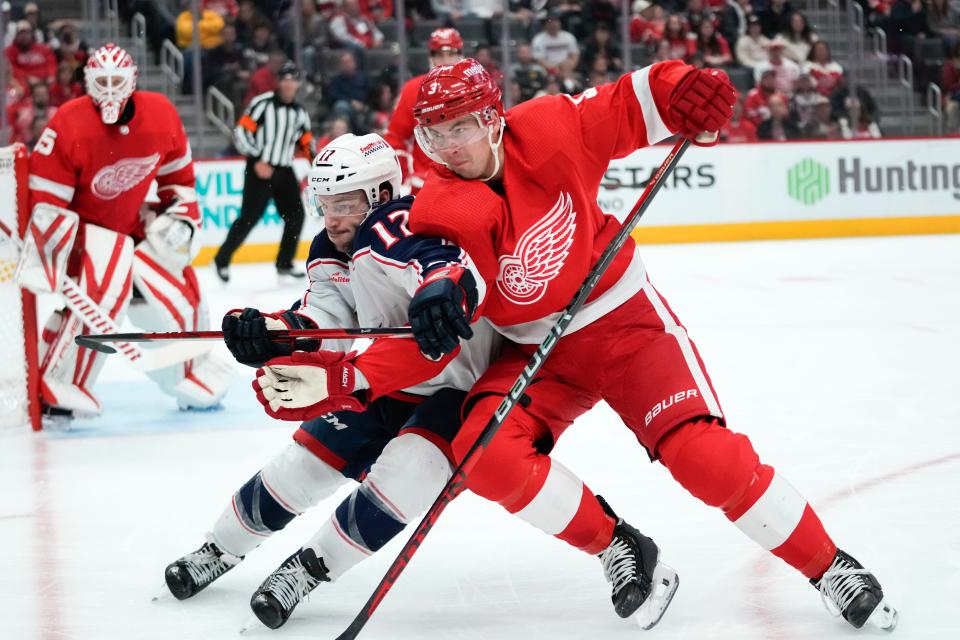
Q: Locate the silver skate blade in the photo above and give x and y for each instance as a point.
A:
(884, 616)
(664, 586)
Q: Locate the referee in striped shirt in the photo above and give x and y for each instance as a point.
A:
(273, 127)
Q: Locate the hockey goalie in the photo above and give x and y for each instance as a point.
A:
(90, 173)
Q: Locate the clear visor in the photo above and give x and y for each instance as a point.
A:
(448, 136)
(341, 205)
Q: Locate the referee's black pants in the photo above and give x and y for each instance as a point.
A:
(285, 191)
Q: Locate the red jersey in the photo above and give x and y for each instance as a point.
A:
(535, 244)
(399, 133)
(103, 172)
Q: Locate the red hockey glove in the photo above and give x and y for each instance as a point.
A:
(441, 310)
(307, 385)
(702, 102)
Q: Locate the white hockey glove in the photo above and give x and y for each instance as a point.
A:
(307, 385)
(171, 240)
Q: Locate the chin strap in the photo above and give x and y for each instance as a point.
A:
(495, 148)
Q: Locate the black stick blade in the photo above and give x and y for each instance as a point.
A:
(95, 345)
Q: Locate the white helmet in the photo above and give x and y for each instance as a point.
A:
(111, 78)
(354, 162)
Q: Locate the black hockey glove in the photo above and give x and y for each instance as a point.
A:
(441, 311)
(246, 334)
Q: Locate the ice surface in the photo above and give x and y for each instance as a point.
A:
(838, 357)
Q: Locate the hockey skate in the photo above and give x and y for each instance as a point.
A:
(849, 590)
(195, 571)
(283, 589)
(642, 585)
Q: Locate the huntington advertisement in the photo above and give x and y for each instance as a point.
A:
(727, 192)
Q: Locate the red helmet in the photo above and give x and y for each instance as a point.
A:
(445, 39)
(450, 91)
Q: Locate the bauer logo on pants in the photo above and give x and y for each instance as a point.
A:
(666, 403)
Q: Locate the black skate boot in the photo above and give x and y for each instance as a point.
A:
(642, 585)
(849, 590)
(283, 589)
(195, 571)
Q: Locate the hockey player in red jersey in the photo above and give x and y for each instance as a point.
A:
(445, 46)
(518, 193)
(97, 158)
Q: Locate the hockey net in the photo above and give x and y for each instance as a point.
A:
(19, 371)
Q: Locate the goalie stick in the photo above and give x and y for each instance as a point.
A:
(91, 315)
(457, 483)
(97, 342)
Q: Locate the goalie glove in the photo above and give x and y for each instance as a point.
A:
(441, 311)
(702, 102)
(246, 334)
(172, 233)
(307, 385)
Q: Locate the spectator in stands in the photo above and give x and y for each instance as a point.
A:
(710, 45)
(780, 125)
(265, 78)
(592, 14)
(449, 11)
(647, 23)
(571, 82)
(738, 129)
(348, 89)
(377, 10)
(64, 87)
(786, 71)
(529, 74)
(30, 60)
(825, 70)
(483, 55)
(333, 129)
(71, 49)
(675, 34)
(313, 30)
(838, 100)
(804, 99)
(211, 26)
(226, 68)
(776, 17)
(734, 19)
(601, 44)
(31, 14)
(944, 21)
(798, 38)
(909, 18)
(257, 53)
(662, 52)
(752, 47)
(822, 125)
(351, 29)
(554, 46)
(380, 108)
(950, 85)
(857, 123)
(37, 106)
(756, 106)
(14, 89)
(248, 18)
(697, 13)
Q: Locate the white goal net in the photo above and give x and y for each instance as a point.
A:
(19, 398)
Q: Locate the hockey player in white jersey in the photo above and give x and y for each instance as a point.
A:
(363, 269)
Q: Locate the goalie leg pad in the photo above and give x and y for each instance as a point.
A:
(67, 371)
(49, 240)
(171, 301)
(403, 482)
(722, 469)
(288, 485)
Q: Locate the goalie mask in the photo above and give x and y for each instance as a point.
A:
(352, 163)
(111, 78)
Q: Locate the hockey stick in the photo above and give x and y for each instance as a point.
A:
(457, 483)
(91, 315)
(98, 342)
